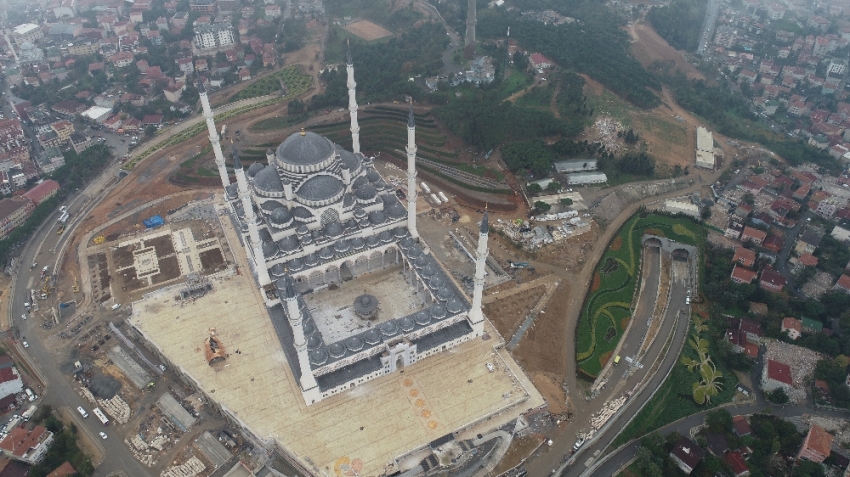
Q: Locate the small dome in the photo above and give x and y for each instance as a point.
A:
(314, 342)
(327, 253)
(366, 193)
(438, 312)
(406, 324)
(307, 239)
(359, 214)
(318, 357)
(342, 246)
(377, 217)
(372, 337)
(415, 252)
(311, 260)
(386, 236)
(354, 344)
(428, 271)
(288, 243)
(254, 168)
(281, 216)
(268, 180)
(278, 270)
(406, 243)
(296, 265)
(390, 328)
(336, 350)
(333, 229)
(421, 318)
(445, 293)
(373, 176)
(302, 230)
(435, 283)
(372, 241)
(396, 211)
(309, 327)
(269, 249)
(399, 232)
(357, 243)
(454, 306)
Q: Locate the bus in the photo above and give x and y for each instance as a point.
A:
(100, 415)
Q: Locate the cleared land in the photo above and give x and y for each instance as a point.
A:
(368, 30)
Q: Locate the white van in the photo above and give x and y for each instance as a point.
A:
(116, 306)
(82, 411)
(30, 395)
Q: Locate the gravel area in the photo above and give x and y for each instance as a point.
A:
(802, 362)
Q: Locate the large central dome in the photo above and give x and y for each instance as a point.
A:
(304, 149)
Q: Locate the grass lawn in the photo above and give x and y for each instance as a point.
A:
(611, 105)
(607, 309)
(538, 96)
(291, 77)
(513, 83)
(278, 122)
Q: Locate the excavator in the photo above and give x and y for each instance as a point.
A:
(75, 288)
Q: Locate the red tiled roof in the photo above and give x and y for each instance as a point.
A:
(736, 461)
(789, 323)
(819, 440)
(779, 372)
(751, 350)
(20, 440)
(844, 282)
(744, 256)
(8, 374)
(755, 234)
(742, 275)
(808, 260)
(64, 470)
(772, 277)
(773, 243)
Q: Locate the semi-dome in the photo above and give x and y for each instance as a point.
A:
(373, 176)
(269, 249)
(269, 205)
(267, 180)
(281, 216)
(302, 212)
(320, 187)
(254, 168)
(396, 211)
(348, 158)
(304, 149)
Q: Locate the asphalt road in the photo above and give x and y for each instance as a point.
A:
(708, 26)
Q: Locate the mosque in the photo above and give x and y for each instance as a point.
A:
(318, 218)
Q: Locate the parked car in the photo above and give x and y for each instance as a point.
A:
(102, 435)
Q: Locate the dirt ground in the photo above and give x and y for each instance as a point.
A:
(367, 30)
(541, 352)
(508, 313)
(519, 449)
(648, 46)
(5, 289)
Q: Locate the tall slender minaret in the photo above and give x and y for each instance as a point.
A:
(352, 103)
(469, 40)
(411, 174)
(476, 317)
(251, 220)
(208, 115)
(308, 381)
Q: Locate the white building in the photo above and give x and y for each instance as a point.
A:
(681, 207)
(582, 165)
(28, 32)
(705, 149)
(836, 68)
(582, 178)
(213, 36)
(97, 113)
(10, 382)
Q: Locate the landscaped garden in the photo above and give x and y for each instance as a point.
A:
(290, 76)
(607, 308)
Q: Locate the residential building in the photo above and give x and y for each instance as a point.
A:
(28, 446)
(744, 335)
(843, 284)
(185, 65)
(808, 241)
(816, 446)
(63, 130)
(771, 280)
(753, 235)
(10, 382)
(792, 326)
(539, 62)
(80, 142)
(737, 464)
(217, 35)
(740, 426)
(26, 33)
(745, 257)
(174, 91)
(203, 6)
(687, 454)
(42, 191)
(122, 59)
(179, 20)
(13, 212)
(50, 160)
(776, 375)
(742, 276)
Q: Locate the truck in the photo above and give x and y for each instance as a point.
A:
(63, 218)
(29, 412)
(44, 271)
(518, 264)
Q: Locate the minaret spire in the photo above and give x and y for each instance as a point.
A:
(208, 116)
(352, 103)
(251, 220)
(308, 382)
(411, 174)
(476, 317)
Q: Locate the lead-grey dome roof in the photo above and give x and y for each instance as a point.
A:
(254, 168)
(281, 216)
(304, 149)
(268, 180)
(321, 187)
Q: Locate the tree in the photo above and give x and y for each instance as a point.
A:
(553, 186)
(533, 189)
(541, 207)
(296, 106)
(777, 396)
(566, 201)
(150, 130)
(719, 420)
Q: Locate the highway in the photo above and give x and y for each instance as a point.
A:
(708, 25)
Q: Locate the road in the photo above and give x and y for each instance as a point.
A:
(708, 25)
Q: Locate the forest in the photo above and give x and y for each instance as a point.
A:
(382, 69)
(536, 157)
(594, 45)
(680, 23)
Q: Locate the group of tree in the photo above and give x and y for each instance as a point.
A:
(680, 23)
(630, 136)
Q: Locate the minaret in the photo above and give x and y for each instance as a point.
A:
(476, 317)
(411, 174)
(352, 103)
(308, 381)
(208, 115)
(251, 220)
(469, 40)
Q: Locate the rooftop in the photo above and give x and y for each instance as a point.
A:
(819, 440)
(779, 372)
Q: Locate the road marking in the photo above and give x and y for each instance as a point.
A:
(29, 283)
